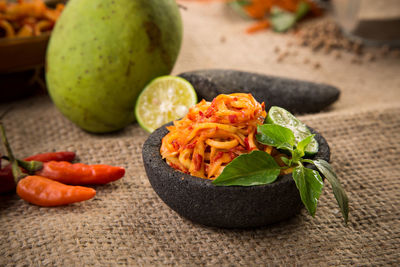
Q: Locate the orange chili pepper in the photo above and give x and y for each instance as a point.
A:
(79, 173)
(258, 8)
(45, 192)
(258, 26)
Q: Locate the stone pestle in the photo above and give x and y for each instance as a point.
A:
(296, 96)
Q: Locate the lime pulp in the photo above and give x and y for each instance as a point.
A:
(164, 99)
(282, 117)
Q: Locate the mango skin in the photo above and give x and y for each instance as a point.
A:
(102, 53)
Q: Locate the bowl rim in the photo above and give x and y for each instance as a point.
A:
(5, 41)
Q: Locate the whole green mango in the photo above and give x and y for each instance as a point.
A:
(102, 53)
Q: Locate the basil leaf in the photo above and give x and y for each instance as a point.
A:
(238, 7)
(307, 161)
(286, 160)
(301, 146)
(326, 169)
(255, 168)
(302, 10)
(296, 156)
(310, 184)
(281, 20)
(276, 136)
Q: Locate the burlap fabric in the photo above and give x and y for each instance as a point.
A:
(127, 224)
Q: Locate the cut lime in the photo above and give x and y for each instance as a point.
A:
(282, 117)
(164, 99)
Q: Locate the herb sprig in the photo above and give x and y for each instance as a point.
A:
(259, 167)
(283, 20)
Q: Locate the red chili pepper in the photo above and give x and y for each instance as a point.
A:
(246, 142)
(7, 182)
(218, 156)
(191, 145)
(53, 156)
(45, 192)
(197, 160)
(79, 173)
(211, 109)
(232, 118)
(175, 144)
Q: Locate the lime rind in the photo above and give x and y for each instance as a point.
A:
(282, 117)
(164, 99)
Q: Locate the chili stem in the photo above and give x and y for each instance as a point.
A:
(17, 173)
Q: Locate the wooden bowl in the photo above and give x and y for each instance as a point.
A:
(25, 53)
(198, 200)
(22, 66)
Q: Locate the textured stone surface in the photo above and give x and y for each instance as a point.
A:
(294, 95)
(232, 206)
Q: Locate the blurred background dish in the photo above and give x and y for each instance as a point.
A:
(22, 53)
(370, 21)
(25, 29)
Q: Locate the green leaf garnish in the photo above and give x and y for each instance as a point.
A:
(310, 185)
(302, 10)
(238, 7)
(326, 169)
(276, 136)
(242, 2)
(255, 168)
(286, 160)
(282, 20)
(259, 167)
(301, 146)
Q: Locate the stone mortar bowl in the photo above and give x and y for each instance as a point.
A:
(200, 201)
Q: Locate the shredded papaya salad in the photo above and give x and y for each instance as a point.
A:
(213, 133)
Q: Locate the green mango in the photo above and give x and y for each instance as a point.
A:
(102, 53)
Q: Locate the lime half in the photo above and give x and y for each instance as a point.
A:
(282, 117)
(164, 99)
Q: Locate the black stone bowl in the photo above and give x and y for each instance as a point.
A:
(200, 201)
